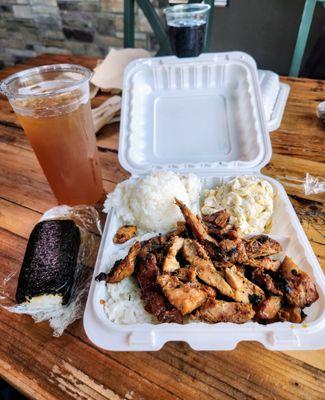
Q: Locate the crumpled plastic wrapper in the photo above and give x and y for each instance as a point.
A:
(59, 317)
(314, 184)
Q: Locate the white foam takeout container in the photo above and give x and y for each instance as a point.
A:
(203, 116)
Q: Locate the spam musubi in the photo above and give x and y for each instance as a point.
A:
(49, 264)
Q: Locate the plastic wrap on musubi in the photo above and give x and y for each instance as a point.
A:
(50, 263)
(58, 264)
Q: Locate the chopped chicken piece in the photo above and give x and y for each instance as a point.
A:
(125, 233)
(219, 218)
(263, 279)
(232, 233)
(291, 314)
(300, 290)
(181, 229)
(147, 271)
(124, 268)
(192, 249)
(269, 308)
(213, 231)
(240, 269)
(156, 246)
(194, 223)
(154, 300)
(207, 272)
(245, 290)
(196, 255)
(263, 263)
(221, 311)
(222, 264)
(186, 274)
(213, 250)
(233, 250)
(156, 304)
(170, 264)
(261, 246)
(186, 297)
(229, 231)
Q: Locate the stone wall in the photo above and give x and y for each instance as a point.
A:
(85, 27)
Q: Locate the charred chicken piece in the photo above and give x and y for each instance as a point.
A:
(181, 230)
(186, 297)
(269, 308)
(196, 255)
(191, 249)
(220, 265)
(154, 301)
(233, 250)
(266, 281)
(194, 223)
(221, 311)
(245, 291)
(232, 233)
(219, 218)
(291, 314)
(261, 246)
(263, 263)
(124, 268)
(228, 232)
(213, 250)
(170, 263)
(208, 274)
(156, 246)
(186, 274)
(125, 233)
(300, 291)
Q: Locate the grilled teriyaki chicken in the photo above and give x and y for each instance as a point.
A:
(205, 270)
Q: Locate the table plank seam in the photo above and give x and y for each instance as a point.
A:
(9, 124)
(103, 149)
(300, 364)
(20, 205)
(88, 344)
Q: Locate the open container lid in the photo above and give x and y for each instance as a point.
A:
(201, 114)
(274, 97)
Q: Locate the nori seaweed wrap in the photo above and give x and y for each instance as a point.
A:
(50, 261)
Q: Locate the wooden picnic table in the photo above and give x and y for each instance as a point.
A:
(70, 367)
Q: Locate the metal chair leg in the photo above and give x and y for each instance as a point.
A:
(129, 23)
(208, 28)
(156, 25)
(306, 20)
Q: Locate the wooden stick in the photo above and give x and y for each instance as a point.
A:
(106, 112)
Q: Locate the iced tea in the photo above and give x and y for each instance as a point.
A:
(54, 110)
(65, 146)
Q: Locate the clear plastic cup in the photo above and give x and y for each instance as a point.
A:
(53, 106)
(186, 28)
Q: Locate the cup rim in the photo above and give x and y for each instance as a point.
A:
(86, 72)
(198, 8)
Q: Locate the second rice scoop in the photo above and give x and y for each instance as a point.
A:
(148, 202)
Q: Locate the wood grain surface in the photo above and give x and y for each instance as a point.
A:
(70, 367)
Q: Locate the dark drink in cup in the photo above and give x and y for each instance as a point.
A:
(187, 40)
(186, 28)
